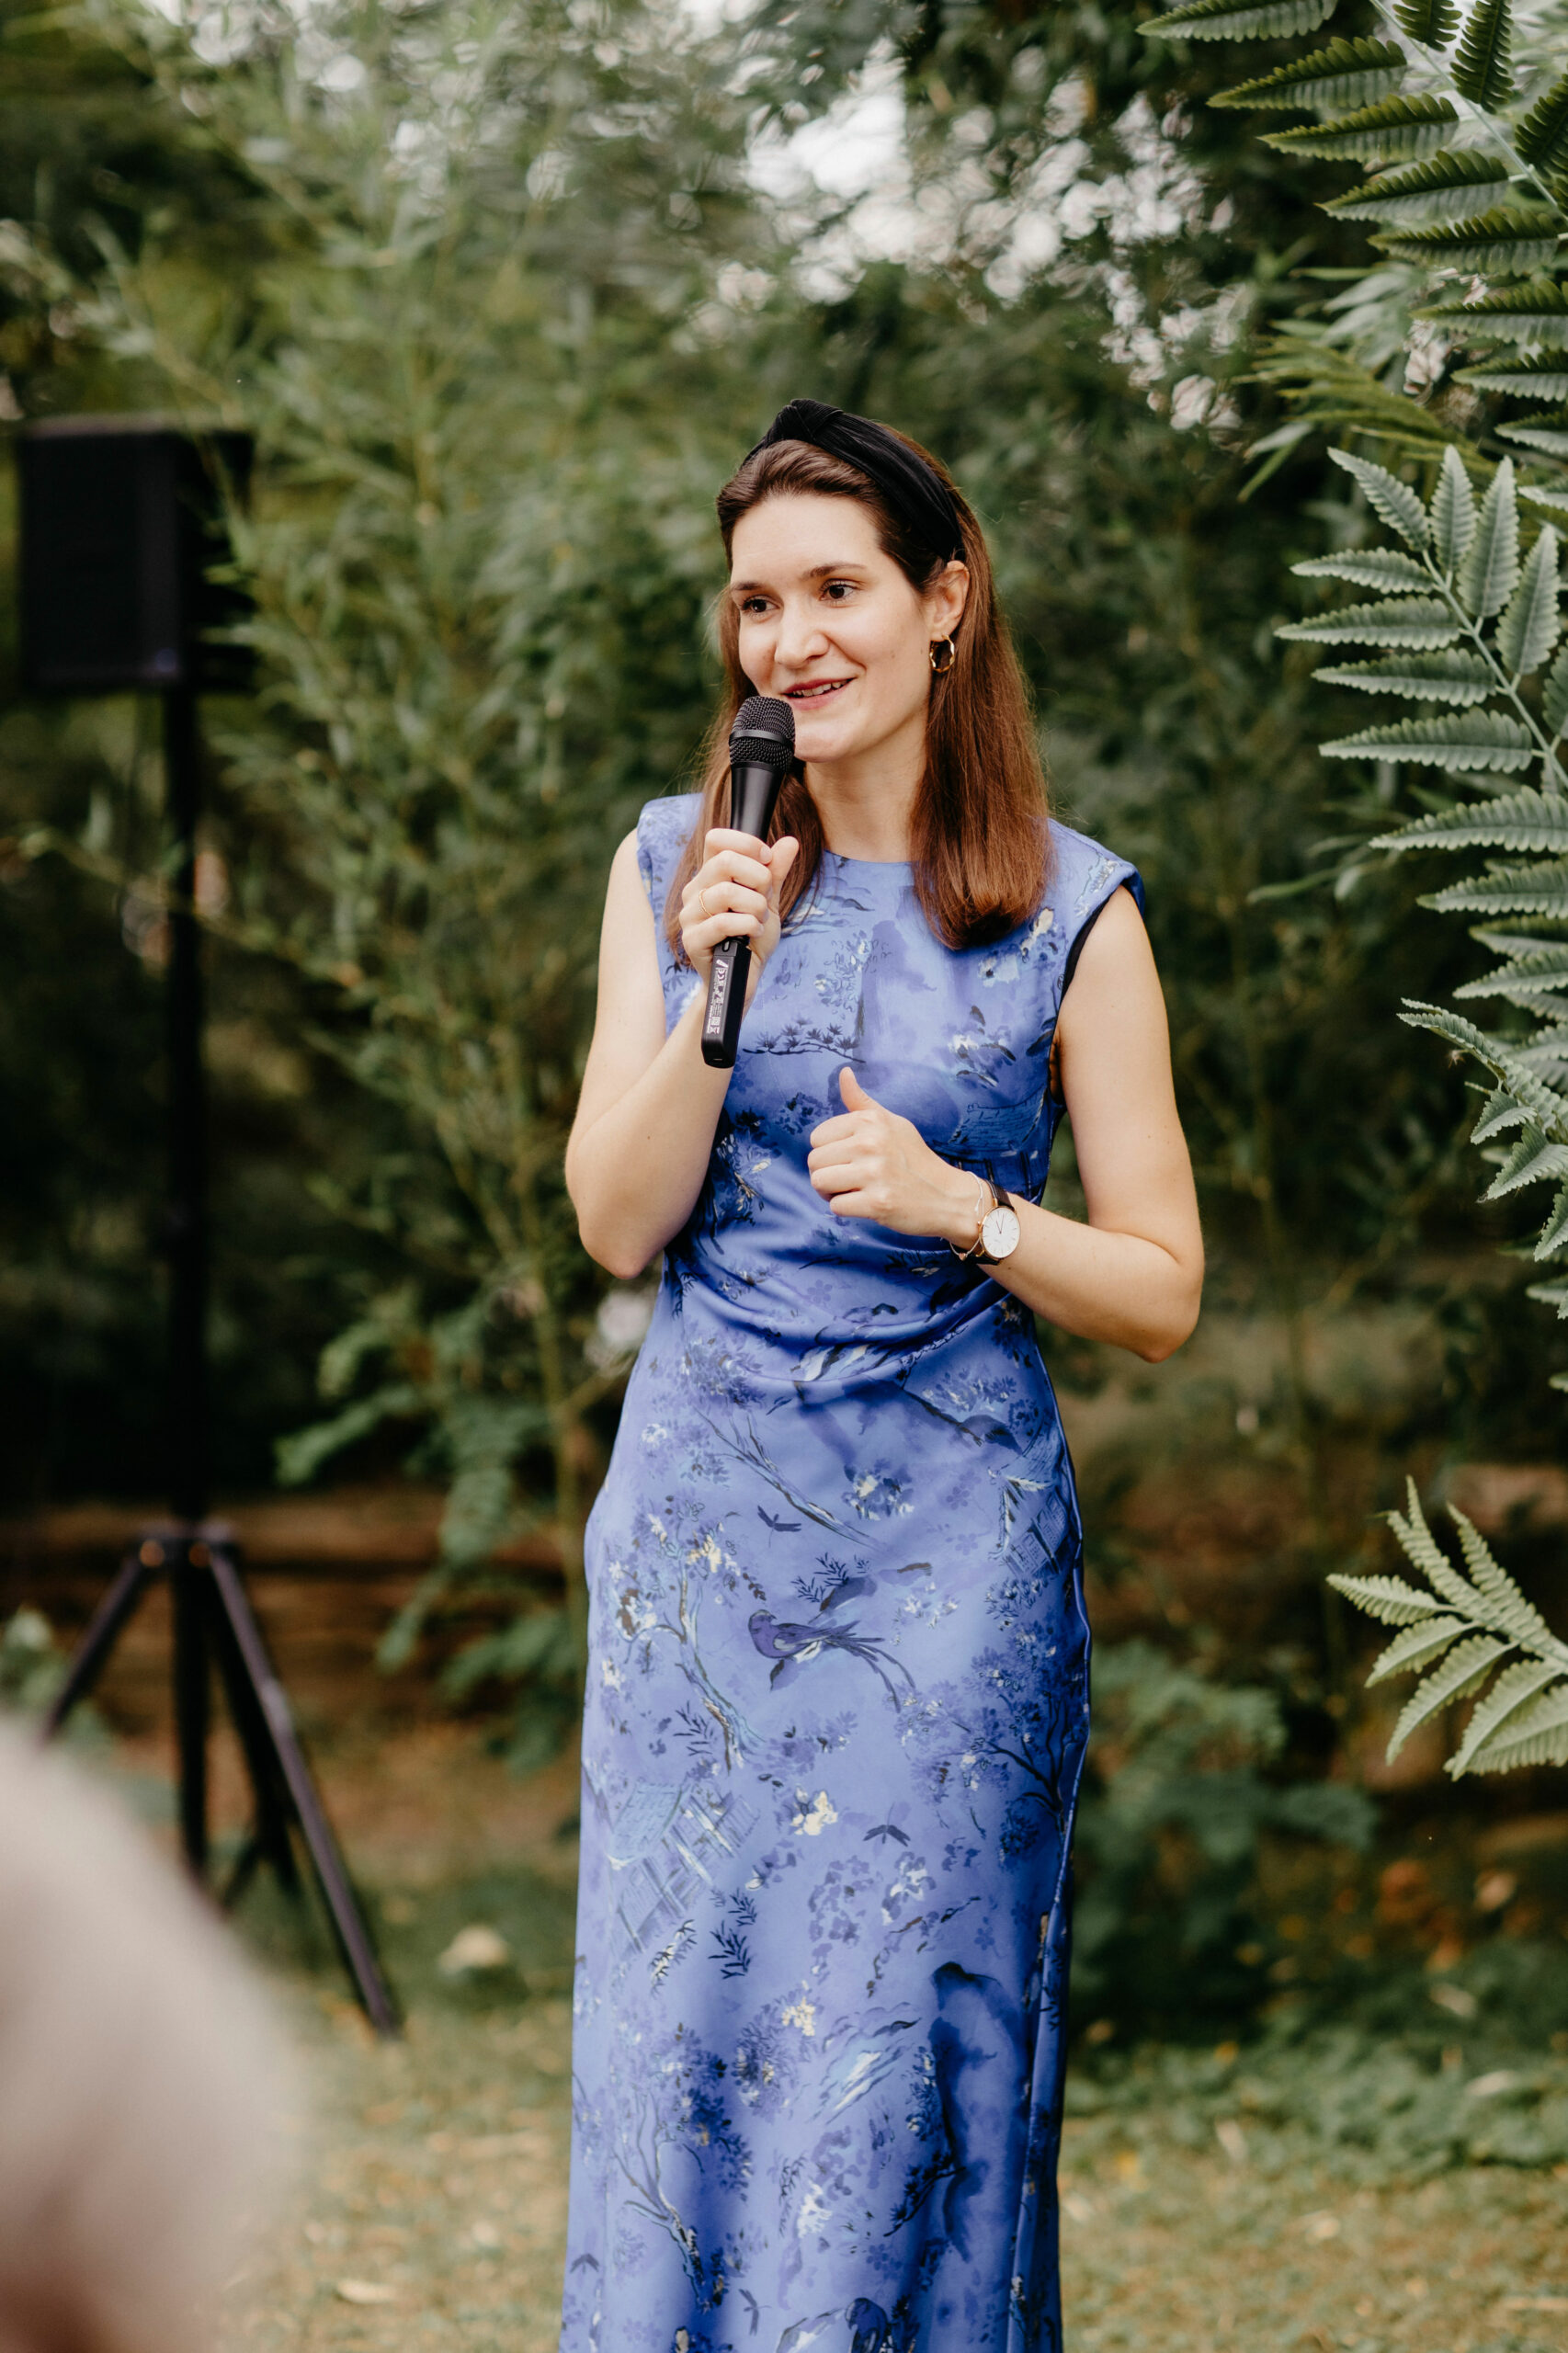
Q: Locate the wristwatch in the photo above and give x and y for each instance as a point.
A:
(998, 1236)
(999, 1228)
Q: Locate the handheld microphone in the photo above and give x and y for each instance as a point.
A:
(762, 745)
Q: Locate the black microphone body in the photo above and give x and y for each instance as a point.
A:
(762, 745)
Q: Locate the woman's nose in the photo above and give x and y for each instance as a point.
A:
(801, 637)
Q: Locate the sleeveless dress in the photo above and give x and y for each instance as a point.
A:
(838, 1693)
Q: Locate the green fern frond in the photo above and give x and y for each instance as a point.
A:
(1452, 521)
(1342, 73)
(1455, 185)
(1527, 380)
(1398, 130)
(1510, 243)
(1417, 1646)
(1240, 19)
(1505, 891)
(1501, 1112)
(1510, 1613)
(1549, 1295)
(1482, 65)
(1490, 571)
(1551, 443)
(1542, 138)
(1536, 312)
(1554, 1232)
(1513, 1689)
(1382, 568)
(1422, 1549)
(1422, 623)
(1392, 500)
(1472, 740)
(1554, 696)
(1390, 1598)
(1534, 1160)
(1523, 822)
(1434, 23)
(1457, 677)
(1466, 1665)
(1532, 623)
(1497, 1054)
(1537, 1736)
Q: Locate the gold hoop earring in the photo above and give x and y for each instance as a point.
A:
(943, 644)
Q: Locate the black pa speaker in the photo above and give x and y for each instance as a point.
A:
(121, 522)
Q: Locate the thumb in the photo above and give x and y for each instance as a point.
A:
(785, 853)
(855, 1095)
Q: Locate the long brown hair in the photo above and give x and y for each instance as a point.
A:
(980, 842)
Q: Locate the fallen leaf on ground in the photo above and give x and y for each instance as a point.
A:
(364, 2292)
(476, 1946)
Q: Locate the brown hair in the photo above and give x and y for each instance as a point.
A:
(981, 847)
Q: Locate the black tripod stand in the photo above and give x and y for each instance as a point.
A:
(78, 480)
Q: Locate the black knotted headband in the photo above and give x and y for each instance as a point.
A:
(907, 481)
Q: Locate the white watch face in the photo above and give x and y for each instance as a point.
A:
(999, 1235)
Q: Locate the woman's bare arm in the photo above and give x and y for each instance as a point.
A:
(640, 1144)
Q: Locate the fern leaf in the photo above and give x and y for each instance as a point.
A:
(1534, 1160)
(1537, 1734)
(1550, 441)
(1240, 19)
(1416, 1647)
(1514, 1689)
(1506, 891)
(1532, 623)
(1391, 500)
(1434, 23)
(1475, 740)
(1554, 696)
(1459, 678)
(1510, 1613)
(1535, 314)
(1343, 74)
(1508, 243)
(1453, 512)
(1452, 186)
(1423, 1551)
(1499, 1056)
(1390, 1598)
(1490, 573)
(1422, 623)
(1549, 1295)
(1500, 1112)
(1555, 501)
(1466, 1663)
(1546, 1056)
(1529, 379)
(1482, 65)
(1399, 130)
(1554, 1232)
(1542, 138)
(1523, 822)
(1368, 568)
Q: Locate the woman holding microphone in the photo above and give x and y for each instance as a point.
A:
(837, 1695)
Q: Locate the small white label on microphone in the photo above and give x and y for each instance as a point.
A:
(719, 998)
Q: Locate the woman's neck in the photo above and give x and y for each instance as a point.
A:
(867, 806)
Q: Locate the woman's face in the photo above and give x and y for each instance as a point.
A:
(829, 623)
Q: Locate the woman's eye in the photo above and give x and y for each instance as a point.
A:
(839, 591)
(752, 605)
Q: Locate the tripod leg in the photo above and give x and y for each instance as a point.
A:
(270, 1837)
(349, 1928)
(191, 1593)
(93, 1651)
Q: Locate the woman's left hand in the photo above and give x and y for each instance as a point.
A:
(870, 1162)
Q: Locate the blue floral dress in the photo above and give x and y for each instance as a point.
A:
(837, 1696)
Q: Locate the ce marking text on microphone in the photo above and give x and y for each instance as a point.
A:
(762, 745)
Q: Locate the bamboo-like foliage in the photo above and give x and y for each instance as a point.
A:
(1468, 1637)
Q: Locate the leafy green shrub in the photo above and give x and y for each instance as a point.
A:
(1178, 1803)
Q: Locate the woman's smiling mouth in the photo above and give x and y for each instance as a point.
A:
(815, 689)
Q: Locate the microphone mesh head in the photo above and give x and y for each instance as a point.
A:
(767, 726)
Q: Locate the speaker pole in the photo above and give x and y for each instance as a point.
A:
(188, 1440)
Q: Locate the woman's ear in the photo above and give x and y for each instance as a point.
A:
(947, 599)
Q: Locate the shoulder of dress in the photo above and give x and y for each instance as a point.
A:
(662, 827)
(1085, 872)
